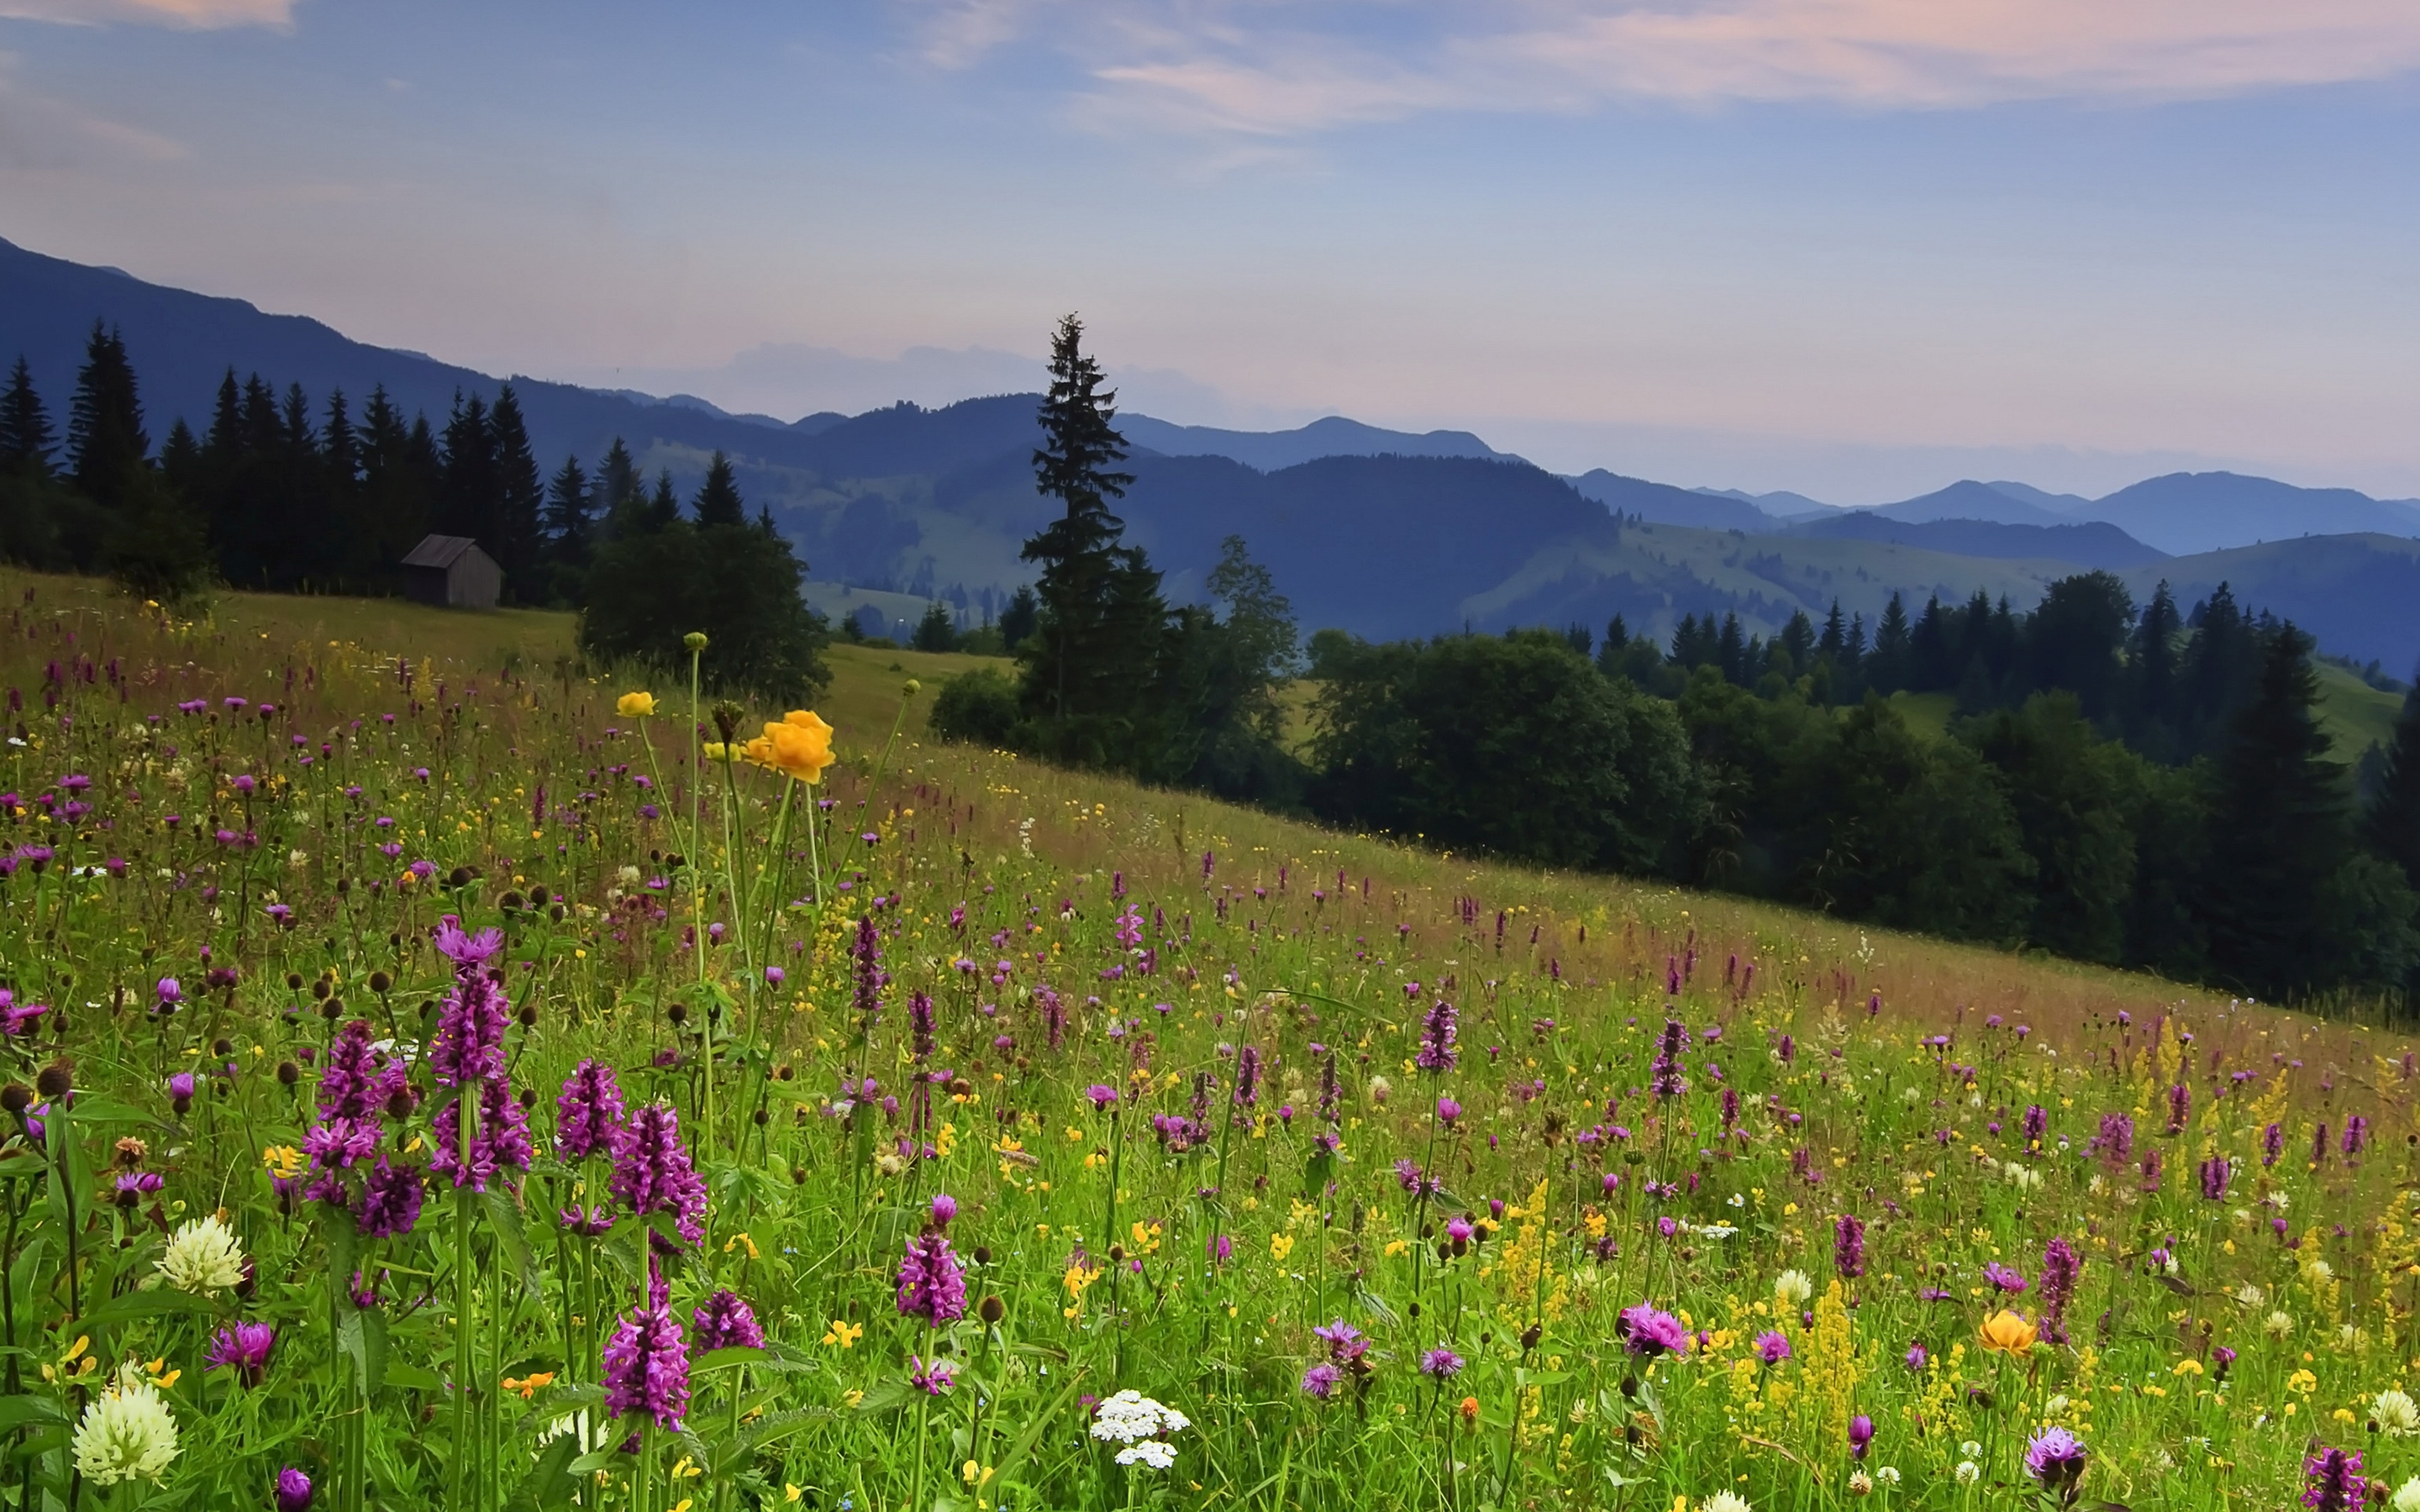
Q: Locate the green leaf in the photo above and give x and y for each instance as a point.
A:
(505, 1216)
(737, 1354)
(551, 1480)
(888, 1397)
(558, 1401)
(135, 1306)
(20, 1412)
(360, 1337)
(409, 1377)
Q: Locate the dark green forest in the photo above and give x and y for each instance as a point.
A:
(284, 495)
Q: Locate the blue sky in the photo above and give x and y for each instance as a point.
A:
(1857, 248)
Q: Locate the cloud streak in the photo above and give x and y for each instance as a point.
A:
(183, 15)
(1245, 67)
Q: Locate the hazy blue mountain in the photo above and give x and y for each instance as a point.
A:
(2091, 543)
(1667, 505)
(2190, 511)
(2025, 493)
(1969, 500)
(1269, 451)
(2355, 593)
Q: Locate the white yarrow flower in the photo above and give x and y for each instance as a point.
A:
(1149, 1452)
(1792, 1287)
(204, 1257)
(1130, 1417)
(2278, 1324)
(2397, 1414)
(125, 1435)
(1724, 1501)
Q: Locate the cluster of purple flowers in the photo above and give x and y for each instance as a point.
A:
(1647, 1332)
(930, 1284)
(652, 1171)
(359, 1086)
(2061, 1267)
(1848, 1247)
(724, 1322)
(646, 1367)
(1438, 1032)
(1665, 1076)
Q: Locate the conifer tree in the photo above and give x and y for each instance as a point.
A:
(516, 538)
(570, 521)
(2393, 823)
(468, 504)
(718, 500)
(106, 445)
(1887, 665)
(1085, 583)
(26, 440)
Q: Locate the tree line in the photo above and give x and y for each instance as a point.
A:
(281, 494)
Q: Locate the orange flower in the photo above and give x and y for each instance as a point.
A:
(2008, 1333)
(800, 744)
(1470, 1410)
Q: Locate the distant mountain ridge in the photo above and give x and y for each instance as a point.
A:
(1384, 532)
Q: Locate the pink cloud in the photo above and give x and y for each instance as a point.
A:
(189, 15)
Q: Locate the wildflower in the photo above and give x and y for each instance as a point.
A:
(2002, 1280)
(2396, 1414)
(727, 1322)
(646, 1368)
(842, 1334)
(242, 1348)
(1773, 1346)
(1440, 1364)
(125, 1434)
(1344, 1342)
(1791, 1288)
(652, 1171)
(2215, 1174)
(2336, 1483)
(293, 1491)
(1437, 1035)
(588, 1111)
(2407, 1496)
(1848, 1247)
(2277, 1324)
(500, 1142)
(1665, 1074)
(2061, 1267)
(1319, 1381)
(468, 1044)
(800, 747)
(1860, 1484)
(635, 705)
(1861, 1435)
(1130, 1416)
(2008, 1333)
(1917, 1356)
(1724, 1501)
(1150, 1452)
(2055, 1459)
(1648, 1332)
(203, 1257)
(1968, 1473)
(930, 1284)
(934, 1379)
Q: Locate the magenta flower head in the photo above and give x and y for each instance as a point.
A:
(390, 1203)
(646, 1368)
(1448, 1111)
(2002, 1280)
(1319, 1381)
(293, 1490)
(15, 1017)
(1848, 1247)
(727, 1322)
(1103, 1097)
(2336, 1483)
(1861, 1435)
(242, 1348)
(945, 1208)
(1437, 1035)
(1917, 1356)
(468, 1044)
(170, 992)
(181, 1089)
(466, 951)
(2061, 1267)
(1773, 1346)
(1344, 1342)
(2055, 1459)
(934, 1379)
(356, 1080)
(500, 1142)
(1648, 1332)
(588, 1112)
(652, 1171)
(931, 1287)
(1440, 1365)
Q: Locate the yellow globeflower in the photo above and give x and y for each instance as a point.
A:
(2008, 1333)
(635, 705)
(800, 744)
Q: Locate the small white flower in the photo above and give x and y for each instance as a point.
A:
(1910, 1096)
(2056, 1407)
(1380, 1089)
(2278, 1324)
(1149, 1452)
(1130, 1416)
(2407, 1496)
(2398, 1415)
(1968, 1473)
(2251, 1295)
(629, 876)
(203, 1257)
(2025, 1176)
(2316, 1268)
(1724, 1501)
(1970, 1448)
(1860, 1484)
(1888, 1475)
(126, 1434)
(1792, 1287)
(1738, 1200)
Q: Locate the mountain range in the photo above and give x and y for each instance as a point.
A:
(1382, 532)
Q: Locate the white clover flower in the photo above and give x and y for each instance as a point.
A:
(203, 1257)
(2056, 1407)
(2025, 1176)
(1968, 1473)
(2397, 1414)
(2407, 1496)
(2277, 1200)
(2278, 1324)
(1130, 1417)
(1860, 1484)
(1970, 1448)
(1724, 1501)
(124, 1435)
(2251, 1295)
(1888, 1475)
(1910, 1096)
(1380, 1089)
(1792, 1287)
(1149, 1452)
(2316, 1268)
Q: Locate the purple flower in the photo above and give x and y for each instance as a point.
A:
(2215, 1174)
(934, 1379)
(293, 1490)
(945, 1208)
(1773, 1346)
(588, 1112)
(469, 1045)
(357, 1081)
(920, 1023)
(1665, 1076)
(181, 1087)
(16, 1017)
(2356, 1134)
(1319, 1381)
(2336, 1483)
(500, 1142)
(465, 951)
(1650, 1332)
(2116, 1140)
(2005, 1281)
(1848, 1247)
(727, 1322)
(170, 992)
(586, 1221)
(2055, 1459)
(1448, 1111)
(1440, 1364)
(1437, 1034)
(2037, 1123)
(1103, 1097)
(2061, 1266)
(652, 1171)
(646, 1368)
(1916, 1356)
(866, 963)
(242, 1348)
(336, 1144)
(930, 1284)
(1344, 1342)
(390, 1203)
(1861, 1435)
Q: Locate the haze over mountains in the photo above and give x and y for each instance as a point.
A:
(1382, 533)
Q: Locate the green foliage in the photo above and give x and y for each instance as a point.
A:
(978, 706)
(937, 630)
(736, 583)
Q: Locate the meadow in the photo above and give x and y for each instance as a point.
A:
(438, 1076)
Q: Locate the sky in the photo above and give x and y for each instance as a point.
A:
(1856, 249)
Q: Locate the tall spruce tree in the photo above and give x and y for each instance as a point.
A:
(518, 537)
(26, 440)
(106, 445)
(718, 500)
(570, 526)
(2393, 823)
(1887, 666)
(1072, 649)
(468, 503)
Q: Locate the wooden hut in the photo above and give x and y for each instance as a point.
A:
(450, 571)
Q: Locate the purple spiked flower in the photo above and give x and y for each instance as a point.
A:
(468, 1044)
(2061, 1266)
(727, 1322)
(2336, 1483)
(500, 1142)
(646, 1368)
(652, 1171)
(242, 1348)
(920, 1024)
(2215, 1174)
(1848, 1247)
(1773, 1346)
(466, 951)
(1437, 1035)
(588, 1112)
(356, 1080)
(390, 1203)
(930, 1284)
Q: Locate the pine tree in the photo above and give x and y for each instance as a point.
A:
(1079, 551)
(26, 440)
(2151, 677)
(570, 522)
(1018, 616)
(2280, 828)
(2393, 823)
(469, 505)
(718, 500)
(662, 511)
(518, 539)
(106, 445)
(937, 630)
(1887, 667)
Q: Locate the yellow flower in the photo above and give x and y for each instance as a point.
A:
(2008, 1333)
(528, 1385)
(717, 751)
(843, 1334)
(1280, 1245)
(799, 746)
(791, 1493)
(283, 1160)
(635, 705)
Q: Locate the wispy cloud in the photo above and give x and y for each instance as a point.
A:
(189, 15)
(1255, 68)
